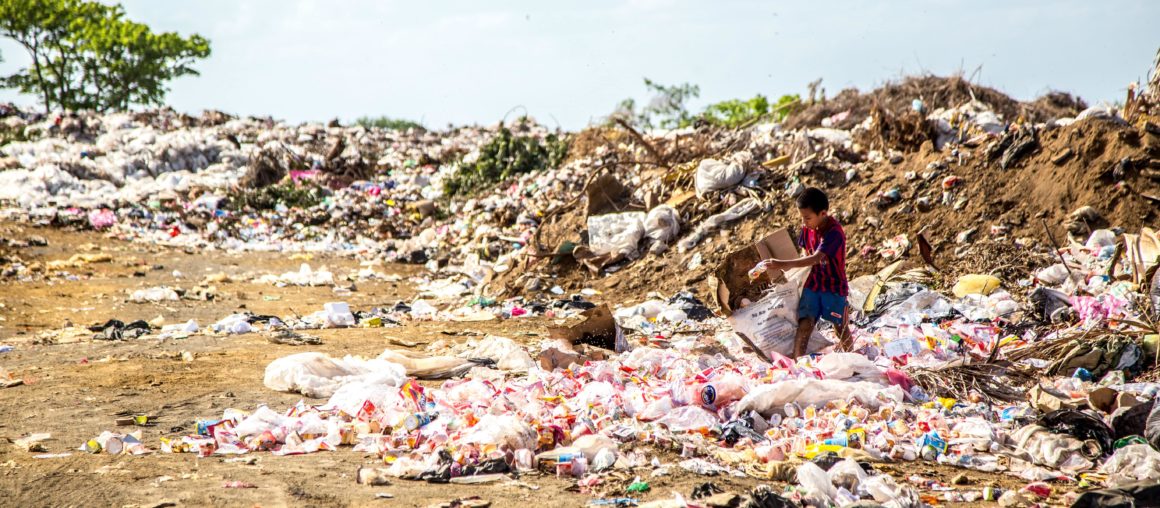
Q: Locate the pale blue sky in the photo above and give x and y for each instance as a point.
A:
(571, 62)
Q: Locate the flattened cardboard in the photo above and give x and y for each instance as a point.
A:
(598, 329)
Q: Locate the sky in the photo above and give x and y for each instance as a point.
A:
(569, 63)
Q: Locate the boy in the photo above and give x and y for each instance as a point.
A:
(824, 296)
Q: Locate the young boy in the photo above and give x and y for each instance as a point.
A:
(826, 288)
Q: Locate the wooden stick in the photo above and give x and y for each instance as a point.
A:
(1056, 246)
(640, 139)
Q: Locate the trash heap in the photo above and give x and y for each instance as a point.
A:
(960, 379)
(1019, 338)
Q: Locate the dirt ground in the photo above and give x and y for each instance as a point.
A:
(75, 390)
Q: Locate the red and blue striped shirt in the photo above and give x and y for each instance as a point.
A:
(829, 276)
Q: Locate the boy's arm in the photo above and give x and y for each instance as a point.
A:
(832, 242)
(782, 264)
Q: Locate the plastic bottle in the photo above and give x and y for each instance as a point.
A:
(792, 410)
(839, 439)
(417, 421)
(717, 393)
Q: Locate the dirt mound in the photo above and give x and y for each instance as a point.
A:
(1097, 163)
(1055, 104)
(935, 92)
(978, 217)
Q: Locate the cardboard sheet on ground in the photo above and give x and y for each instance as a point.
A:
(1141, 252)
(595, 327)
(769, 322)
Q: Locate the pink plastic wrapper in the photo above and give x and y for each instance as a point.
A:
(103, 218)
(298, 175)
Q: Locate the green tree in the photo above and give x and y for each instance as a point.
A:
(87, 55)
(666, 109)
(388, 123)
(735, 113)
(668, 103)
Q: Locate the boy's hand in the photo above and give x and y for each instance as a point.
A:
(765, 266)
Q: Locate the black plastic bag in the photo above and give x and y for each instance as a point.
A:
(1080, 425)
(1144, 494)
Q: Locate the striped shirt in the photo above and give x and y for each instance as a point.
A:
(829, 276)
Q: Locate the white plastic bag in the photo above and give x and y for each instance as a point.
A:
(851, 367)
(234, 323)
(741, 209)
(1132, 463)
(506, 431)
(259, 421)
(885, 490)
(771, 398)
(816, 483)
(508, 355)
(1058, 451)
(1101, 238)
(687, 418)
(772, 321)
(616, 233)
(662, 225)
(714, 175)
(153, 295)
(847, 474)
(318, 375)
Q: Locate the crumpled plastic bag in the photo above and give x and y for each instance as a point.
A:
(662, 225)
(885, 490)
(847, 474)
(741, 209)
(261, 420)
(772, 398)
(851, 367)
(508, 355)
(714, 175)
(350, 398)
(1058, 451)
(507, 432)
(153, 295)
(816, 483)
(319, 375)
(687, 418)
(975, 284)
(616, 233)
(1131, 463)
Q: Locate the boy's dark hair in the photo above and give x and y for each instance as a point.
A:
(814, 199)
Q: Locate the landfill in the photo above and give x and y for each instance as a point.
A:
(1004, 289)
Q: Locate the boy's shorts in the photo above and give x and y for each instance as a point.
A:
(820, 305)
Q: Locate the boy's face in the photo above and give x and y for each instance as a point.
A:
(812, 219)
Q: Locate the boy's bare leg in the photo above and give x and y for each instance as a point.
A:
(802, 338)
(845, 342)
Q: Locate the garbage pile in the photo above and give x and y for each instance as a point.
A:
(1016, 340)
(958, 379)
(675, 197)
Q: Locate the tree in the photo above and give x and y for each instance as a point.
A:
(734, 113)
(87, 55)
(668, 103)
(388, 123)
(666, 109)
